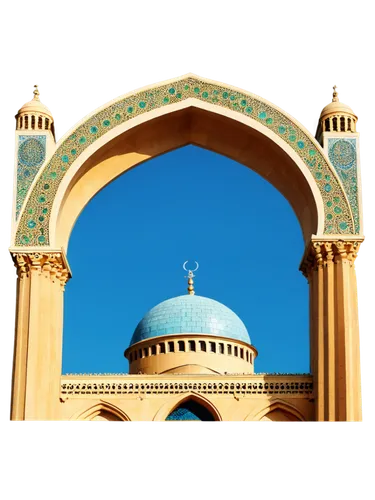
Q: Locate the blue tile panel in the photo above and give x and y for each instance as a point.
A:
(342, 153)
(190, 314)
(191, 410)
(31, 154)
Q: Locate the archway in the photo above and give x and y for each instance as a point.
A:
(191, 406)
(175, 106)
(136, 127)
(190, 410)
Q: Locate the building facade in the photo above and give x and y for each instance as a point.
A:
(190, 357)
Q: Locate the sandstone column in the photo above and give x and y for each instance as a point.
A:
(335, 363)
(38, 336)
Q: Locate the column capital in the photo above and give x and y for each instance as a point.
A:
(322, 252)
(51, 262)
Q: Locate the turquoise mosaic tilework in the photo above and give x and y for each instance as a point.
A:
(33, 228)
(343, 156)
(31, 155)
(190, 314)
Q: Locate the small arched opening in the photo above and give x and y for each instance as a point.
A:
(191, 410)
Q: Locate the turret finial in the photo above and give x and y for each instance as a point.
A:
(190, 277)
(36, 92)
(335, 94)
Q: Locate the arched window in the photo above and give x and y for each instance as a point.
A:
(241, 352)
(335, 124)
(21, 122)
(40, 122)
(342, 124)
(350, 124)
(212, 347)
(33, 122)
(46, 123)
(229, 350)
(145, 352)
(235, 350)
(162, 348)
(247, 356)
(171, 346)
(153, 350)
(221, 348)
(181, 345)
(202, 346)
(192, 345)
(328, 125)
(26, 122)
(191, 410)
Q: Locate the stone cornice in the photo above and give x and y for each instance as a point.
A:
(50, 262)
(144, 386)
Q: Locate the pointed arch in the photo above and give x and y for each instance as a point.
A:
(271, 134)
(274, 405)
(104, 409)
(172, 404)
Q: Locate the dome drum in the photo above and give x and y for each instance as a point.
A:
(191, 353)
(336, 123)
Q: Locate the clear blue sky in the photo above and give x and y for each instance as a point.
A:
(128, 246)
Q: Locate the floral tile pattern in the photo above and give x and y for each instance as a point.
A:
(342, 153)
(31, 155)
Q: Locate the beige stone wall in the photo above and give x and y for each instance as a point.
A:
(229, 398)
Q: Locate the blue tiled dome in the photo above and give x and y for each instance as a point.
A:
(190, 314)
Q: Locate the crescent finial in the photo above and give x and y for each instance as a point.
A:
(190, 277)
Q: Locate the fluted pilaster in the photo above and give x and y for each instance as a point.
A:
(335, 363)
(41, 279)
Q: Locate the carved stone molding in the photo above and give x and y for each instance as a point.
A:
(52, 264)
(324, 253)
(247, 386)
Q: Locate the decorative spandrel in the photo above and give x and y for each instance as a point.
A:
(126, 108)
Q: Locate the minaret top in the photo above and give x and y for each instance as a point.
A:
(35, 106)
(190, 277)
(335, 115)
